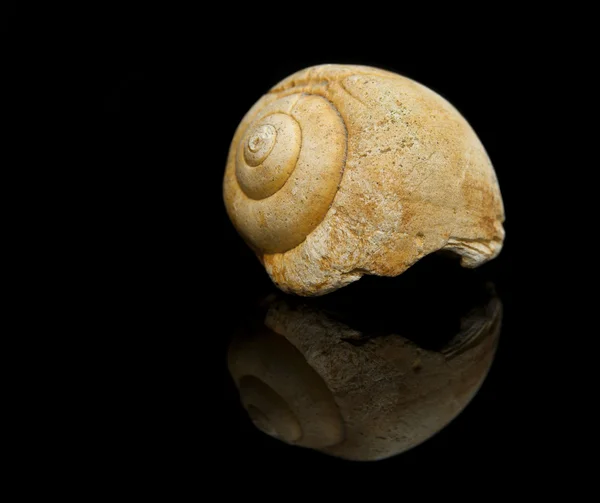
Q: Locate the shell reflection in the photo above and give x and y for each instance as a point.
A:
(315, 375)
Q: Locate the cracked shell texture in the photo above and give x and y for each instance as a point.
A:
(340, 171)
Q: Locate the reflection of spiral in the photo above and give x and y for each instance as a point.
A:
(283, 395)
(268, 410)
(288, 167)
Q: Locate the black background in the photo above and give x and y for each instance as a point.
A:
(169, 105)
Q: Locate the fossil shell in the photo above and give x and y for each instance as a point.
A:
(341, 171)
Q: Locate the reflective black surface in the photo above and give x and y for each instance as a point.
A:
(364, 377)
(381, 370)
(189, 287)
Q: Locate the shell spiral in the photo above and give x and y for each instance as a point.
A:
(288, 167)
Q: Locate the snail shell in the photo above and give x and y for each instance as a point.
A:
(341, 171)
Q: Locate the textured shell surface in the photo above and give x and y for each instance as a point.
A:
(340, 171)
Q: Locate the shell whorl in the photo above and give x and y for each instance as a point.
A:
(288, 166)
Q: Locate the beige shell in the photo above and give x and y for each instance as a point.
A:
(341, 171)
(303, 382)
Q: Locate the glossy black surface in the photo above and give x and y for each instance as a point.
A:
(425, 308)
(183, 283)
(369, 373)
